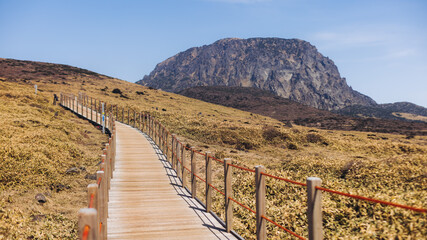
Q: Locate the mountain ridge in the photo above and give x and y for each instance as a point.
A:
(290, 68)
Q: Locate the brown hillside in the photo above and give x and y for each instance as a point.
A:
(265, 103)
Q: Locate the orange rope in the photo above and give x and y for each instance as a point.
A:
(199, 178)
(216, 189)
(373, 200)
(216, 159)
(284, 179)
(99, 181)
(243, 168)
(241, 204)
(85, 233)
(280, 226)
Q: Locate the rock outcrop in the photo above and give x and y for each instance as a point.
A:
(290, 68)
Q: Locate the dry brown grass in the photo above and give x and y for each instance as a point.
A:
(38, 143)
(382, 166)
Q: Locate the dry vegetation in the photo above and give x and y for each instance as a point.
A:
(382, 166)
(38, 143)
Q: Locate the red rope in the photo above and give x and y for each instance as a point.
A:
(243, 168)
(373, 200)
(216, 159)
(199, 153)
(284, 179)
(280, 226)
(99, 181)
(199, 178)
(216, 189)
(187, 169)
(92, 196)
(241, 204)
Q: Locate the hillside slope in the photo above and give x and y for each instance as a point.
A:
(398, 111)
(384, 166)
(265, 103)
(290, 68)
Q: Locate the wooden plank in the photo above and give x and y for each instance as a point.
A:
(146, 197)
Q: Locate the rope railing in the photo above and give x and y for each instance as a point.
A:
(93, 220)
(283, 228)
(174, 151)
(421, 210)
(284, 179)
(173, 147)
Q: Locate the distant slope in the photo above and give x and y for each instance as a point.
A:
(289, 68)
(25, 71)
(285, 110)
(388, 111)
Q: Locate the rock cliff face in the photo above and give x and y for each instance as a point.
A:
(290, 68)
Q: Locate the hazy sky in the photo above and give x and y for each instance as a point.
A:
(380, 47)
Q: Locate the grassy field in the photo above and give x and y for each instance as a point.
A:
(383, 166)
(38, 143)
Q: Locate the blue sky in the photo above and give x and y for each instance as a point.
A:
(380, 47)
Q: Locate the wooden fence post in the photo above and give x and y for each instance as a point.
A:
(177, 155)
(128, 117)
(87, 108)
(96, 112)
(228, 193)
(140, 119)
(261, 231)
(101, 201)
(314, 208)
(173, 150)
(183, 171)
(167, 146)
(91, 109)
(194, 172)
(92, 189)
(87, 217)
(134, 118)
(208, 182)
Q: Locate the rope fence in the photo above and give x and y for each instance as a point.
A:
(92, 224)
(176, 153)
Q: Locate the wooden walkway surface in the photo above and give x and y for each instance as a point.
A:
(146, 198)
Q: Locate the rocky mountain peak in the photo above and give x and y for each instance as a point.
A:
(289, 68)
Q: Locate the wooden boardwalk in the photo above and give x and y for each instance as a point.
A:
(146, 200)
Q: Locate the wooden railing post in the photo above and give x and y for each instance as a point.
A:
(92, 189)
(183, 171)
(177, 155)
(208, 182)
(134, 118)
(140, 121)
(261, 231)
(101, 202)
(96, 112)
(91, 109)
(228, 193)
(87, 108)
(194, 172)
(87, 220)
(123, 114)
(314, 208)
(128, 116)
(167, 146)
(173, 150)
